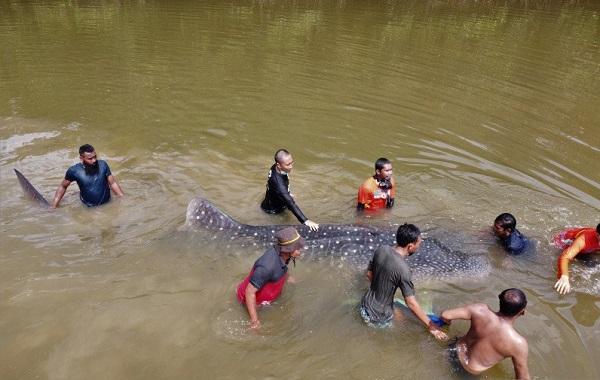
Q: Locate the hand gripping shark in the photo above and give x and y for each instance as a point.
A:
(350, 243)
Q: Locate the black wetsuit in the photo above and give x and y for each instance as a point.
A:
(278, 196)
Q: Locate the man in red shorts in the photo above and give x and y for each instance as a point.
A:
(573, 242)
(265, 282)
(378, 191)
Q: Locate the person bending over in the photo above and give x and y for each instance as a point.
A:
(388, 271)
(265, 282)
(93, 177)
(278, 196)
(573, 242)
(491, 336)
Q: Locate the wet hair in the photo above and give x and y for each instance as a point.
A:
(598, 228)
(381, 162)
(506, 220)
(512, 301)
(280, 154)
(86, 148)
(407, 234)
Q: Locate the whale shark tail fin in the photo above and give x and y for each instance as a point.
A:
(31, 191)
(204, 214)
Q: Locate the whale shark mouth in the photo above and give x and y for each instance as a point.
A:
(347, 243)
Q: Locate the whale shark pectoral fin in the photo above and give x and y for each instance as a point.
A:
(31, 191)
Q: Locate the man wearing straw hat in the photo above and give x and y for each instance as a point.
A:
(265, 282)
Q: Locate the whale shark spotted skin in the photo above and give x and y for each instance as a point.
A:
(348, 243)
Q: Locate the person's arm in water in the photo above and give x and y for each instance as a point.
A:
(251, 306)
(519, 360)
(283, 192)
(413, 305)
(363, 198)
(563, 286)
(114, 185)
(60, 192)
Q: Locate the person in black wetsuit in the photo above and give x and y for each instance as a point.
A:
(94, 178)
(278, 196)
(505, 228)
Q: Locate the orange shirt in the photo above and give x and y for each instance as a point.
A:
(373, 197)
(582, 241)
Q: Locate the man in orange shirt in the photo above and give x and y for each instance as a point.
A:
(378, 192)
(573, 242)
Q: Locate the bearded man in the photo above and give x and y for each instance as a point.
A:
(93, 177)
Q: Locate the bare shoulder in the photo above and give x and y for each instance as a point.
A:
(520, 341)
(479, 308)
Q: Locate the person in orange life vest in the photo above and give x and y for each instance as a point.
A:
(378, 191)
(265, 282)
(573, 242)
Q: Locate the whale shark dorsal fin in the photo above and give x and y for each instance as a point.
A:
(203, 213)
(31, 191)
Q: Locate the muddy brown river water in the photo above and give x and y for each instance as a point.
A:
(483, 106)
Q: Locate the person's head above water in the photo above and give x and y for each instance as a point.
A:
(284, 161)
(289, 244)
(512, 302)
(289, 240)
(86, 148)
(408, 236)
(504, 225)
(383, 169)
(87, 155)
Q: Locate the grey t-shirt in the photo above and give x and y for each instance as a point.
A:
(390, 272)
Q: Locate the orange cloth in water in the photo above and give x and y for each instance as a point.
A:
(566, 239)
(373, 197)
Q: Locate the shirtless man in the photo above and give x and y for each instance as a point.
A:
(492, 336)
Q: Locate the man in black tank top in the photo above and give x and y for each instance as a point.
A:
(278, 197)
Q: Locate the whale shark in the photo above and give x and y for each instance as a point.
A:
(346, 243)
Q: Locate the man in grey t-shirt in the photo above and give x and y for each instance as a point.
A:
(388, 271)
